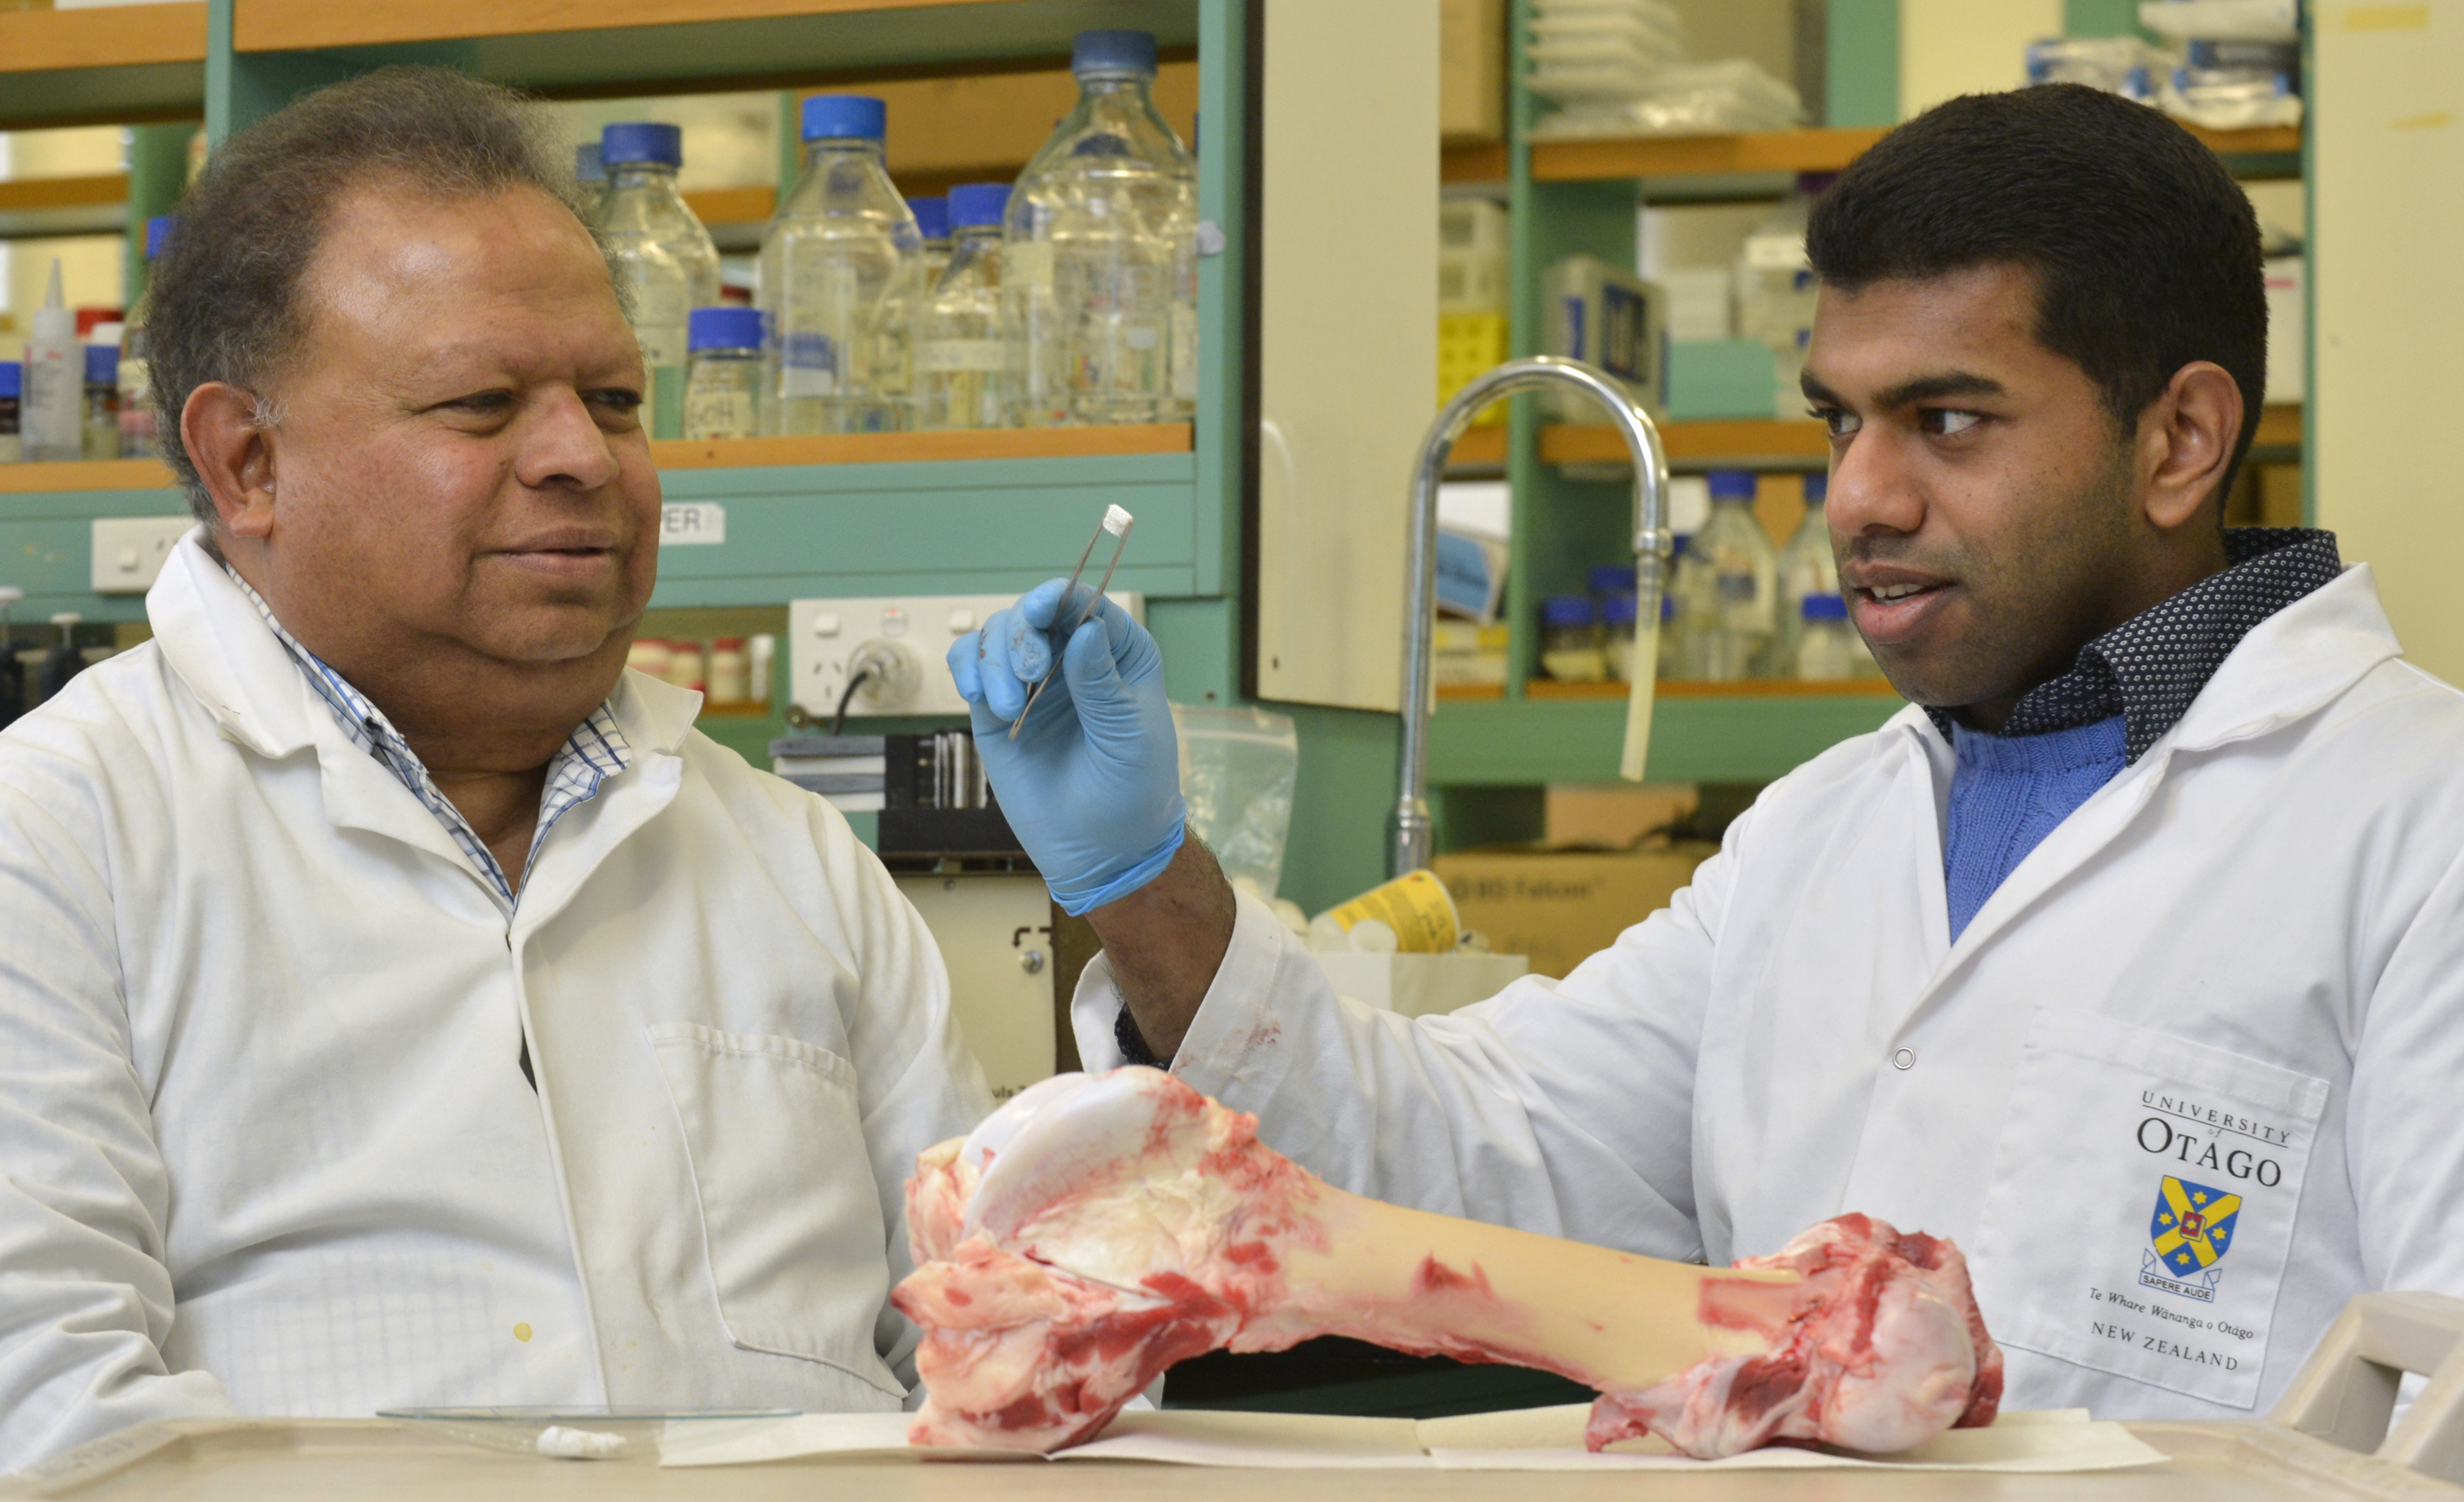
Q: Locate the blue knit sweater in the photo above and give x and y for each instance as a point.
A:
(2007, 793)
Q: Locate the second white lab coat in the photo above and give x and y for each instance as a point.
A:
(2185, 1084)
(264, 1140)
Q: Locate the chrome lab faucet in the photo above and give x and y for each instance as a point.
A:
(1412, 829)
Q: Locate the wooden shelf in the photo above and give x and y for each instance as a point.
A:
(116, 64)
(1682, 156)
(840, 449)
(1826, 150)
(98, 475)
(108, 37)
(1478, 162)
(54, 206)
(1746, 442)
(640, 46)
(687, 453)
(734, 206)
(267, 26)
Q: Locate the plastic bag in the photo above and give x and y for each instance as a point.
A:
(1237, 768)
(1701, 99)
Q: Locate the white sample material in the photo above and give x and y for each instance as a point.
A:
(565, 1444)
(249, 975)
(2238, 966)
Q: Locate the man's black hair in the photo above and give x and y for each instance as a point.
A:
(2146, 251)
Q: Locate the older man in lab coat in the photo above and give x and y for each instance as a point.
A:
(400, 1002)
(2130, 955)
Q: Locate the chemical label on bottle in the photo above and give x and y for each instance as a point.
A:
(944, 356)
(1027, 263)
(808, 365)
(722, 414)
(1141, 336)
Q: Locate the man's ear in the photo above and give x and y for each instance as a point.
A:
(234, 455)
(2186, 437)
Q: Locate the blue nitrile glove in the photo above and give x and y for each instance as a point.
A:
(1092, 784)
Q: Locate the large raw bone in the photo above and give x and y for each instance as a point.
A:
(1096, 1228)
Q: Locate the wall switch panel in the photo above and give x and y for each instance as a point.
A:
(129, 551)
(901, 640)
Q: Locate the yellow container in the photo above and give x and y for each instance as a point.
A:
(1469, 343)
(1416, 904)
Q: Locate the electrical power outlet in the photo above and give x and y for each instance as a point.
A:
(129, 551)
(900, 642)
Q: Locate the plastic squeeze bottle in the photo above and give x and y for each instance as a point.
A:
(54, 407)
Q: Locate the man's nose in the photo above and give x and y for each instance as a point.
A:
(1871, 489)
(563, 447)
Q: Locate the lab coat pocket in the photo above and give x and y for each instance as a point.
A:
(2141, 1204)
(791, 1220)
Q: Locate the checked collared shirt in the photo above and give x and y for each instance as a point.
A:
(594, 752)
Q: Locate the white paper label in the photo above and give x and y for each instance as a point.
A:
(2143, 1203)
(692, 523)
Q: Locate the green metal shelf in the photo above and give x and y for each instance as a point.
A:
(1722, 738)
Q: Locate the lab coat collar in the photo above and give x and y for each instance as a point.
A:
(2290, 667)
(216, 641)
(219, 646)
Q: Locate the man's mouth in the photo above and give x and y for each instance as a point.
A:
(1891, 611)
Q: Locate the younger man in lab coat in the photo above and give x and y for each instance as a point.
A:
(2130, 955)
(401, 1004)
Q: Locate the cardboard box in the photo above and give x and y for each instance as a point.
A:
(1560, 907)
(1471, 71)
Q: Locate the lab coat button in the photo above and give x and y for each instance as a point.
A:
(1905, 1059)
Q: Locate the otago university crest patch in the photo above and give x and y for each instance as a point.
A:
(2188, 1234)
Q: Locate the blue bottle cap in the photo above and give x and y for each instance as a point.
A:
(158, 233)
(1618, 609)
(1818, 488)
(931, 217)
(1609, 578)
(12, 379)
(1113, 52)
(102, 364)
(1566, 610)
(589, 166)
(1824, 607)
(846, 117)
(723, 327)
(642, 140)
(1730, 484)
(973, 205)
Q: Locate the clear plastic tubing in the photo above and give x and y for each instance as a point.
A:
(1100, 235)
(965, 361)
(723, 390)
(667, 259)
(841, 246)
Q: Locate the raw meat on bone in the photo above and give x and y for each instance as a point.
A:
(1096, 1230)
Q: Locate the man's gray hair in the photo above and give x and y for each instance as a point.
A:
(226, 303)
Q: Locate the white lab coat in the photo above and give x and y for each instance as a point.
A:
(264, 1141)
(2239, 968)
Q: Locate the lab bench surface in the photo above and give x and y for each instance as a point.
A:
(371, 1461)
